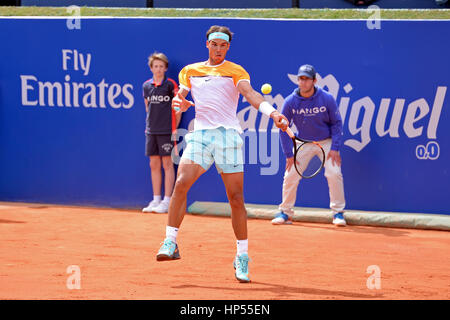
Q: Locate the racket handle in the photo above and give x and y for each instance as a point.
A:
(290, 133)
(288, 130)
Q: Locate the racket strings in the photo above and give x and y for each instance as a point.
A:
(309, 159)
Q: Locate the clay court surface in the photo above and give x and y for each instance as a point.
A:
(115, 251)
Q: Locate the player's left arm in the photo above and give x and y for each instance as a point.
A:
(336, 132)
(256, 100)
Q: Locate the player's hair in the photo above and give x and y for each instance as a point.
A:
(223, 29)
(158, 56)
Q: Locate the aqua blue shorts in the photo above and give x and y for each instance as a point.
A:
(220, 145)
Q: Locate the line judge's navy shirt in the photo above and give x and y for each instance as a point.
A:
(160, 117)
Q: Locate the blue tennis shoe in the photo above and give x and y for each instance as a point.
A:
(168, 251)
(240, 263)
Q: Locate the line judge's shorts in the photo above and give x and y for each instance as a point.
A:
(219, 145)
(158, 145)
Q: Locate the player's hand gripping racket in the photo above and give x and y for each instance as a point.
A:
(180, 102)
(309, 156)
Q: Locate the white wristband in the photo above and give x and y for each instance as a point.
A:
(266, 108)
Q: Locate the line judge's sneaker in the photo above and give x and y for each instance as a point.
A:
(151, 206)
(282, 218)
(339, 220)
(163, 207)
(240, 264)
(168, 251)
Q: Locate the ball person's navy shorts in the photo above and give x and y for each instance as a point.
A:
(158, 145)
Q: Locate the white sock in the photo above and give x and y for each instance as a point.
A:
(242, 246)
(166, 199)
(157, 198)
(171, 233)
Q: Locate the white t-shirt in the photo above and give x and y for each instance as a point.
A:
(215, 93)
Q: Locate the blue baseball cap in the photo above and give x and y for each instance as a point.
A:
(307, 70)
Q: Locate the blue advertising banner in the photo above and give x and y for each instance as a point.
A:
(72, 115)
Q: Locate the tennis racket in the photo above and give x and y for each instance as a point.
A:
(309, 156)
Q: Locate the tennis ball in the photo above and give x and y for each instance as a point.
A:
(266, 88)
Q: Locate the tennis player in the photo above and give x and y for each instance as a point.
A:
(215, 85)
(316, 116)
